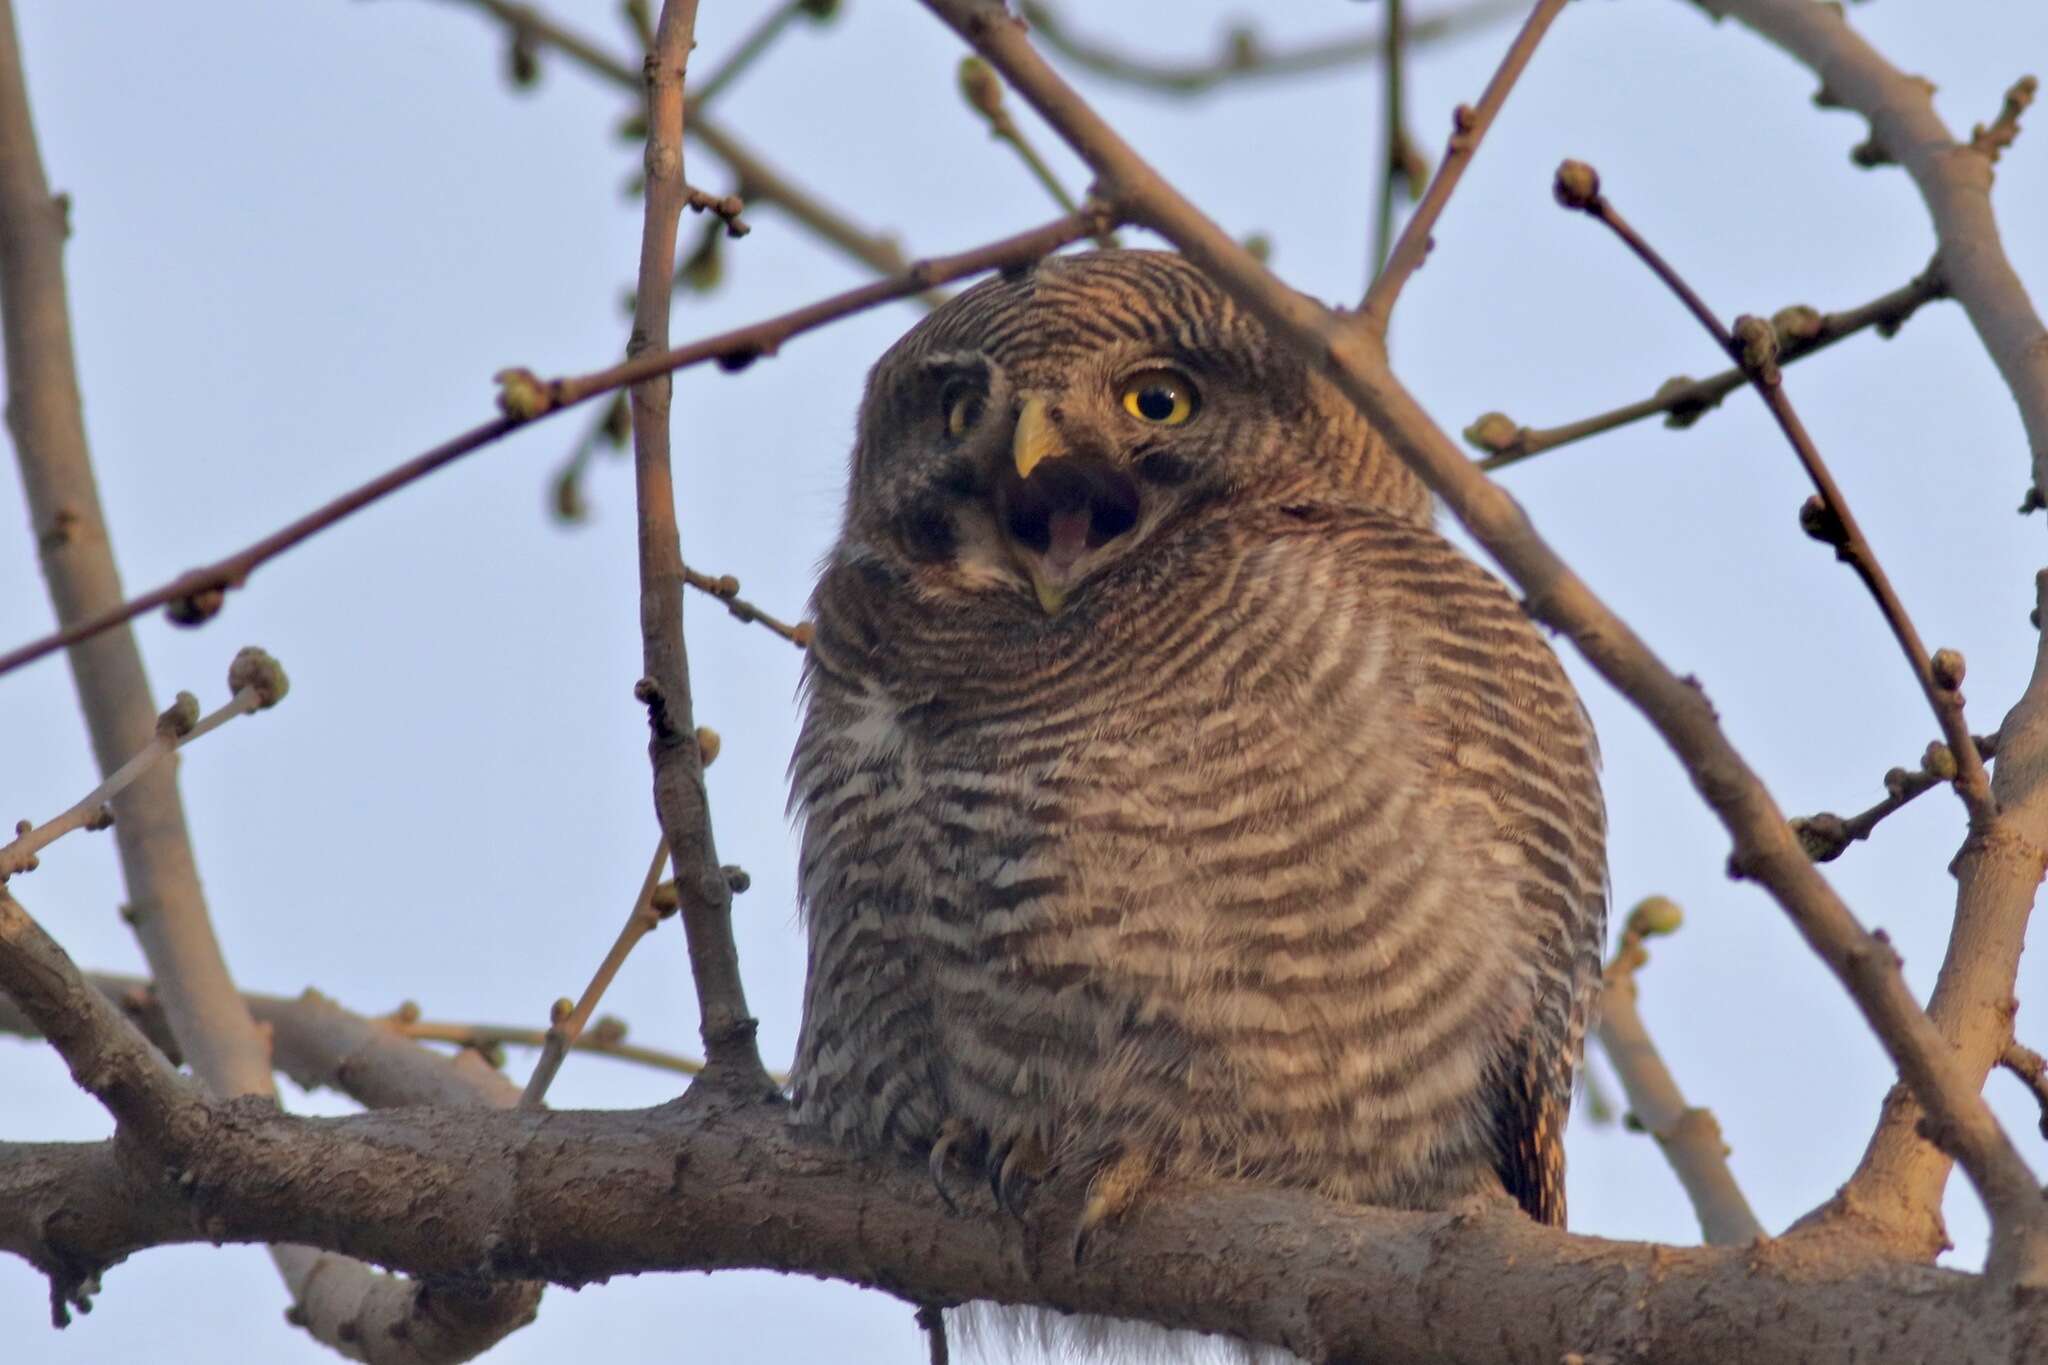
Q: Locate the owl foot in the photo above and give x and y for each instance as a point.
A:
(1111, 1194)
(1014, 1169)
(951, 1133)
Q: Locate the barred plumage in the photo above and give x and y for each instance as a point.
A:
(1176, 801)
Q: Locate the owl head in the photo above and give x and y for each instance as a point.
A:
(1051, 423)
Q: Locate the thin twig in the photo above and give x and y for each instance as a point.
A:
(1827, 836)
(603, 1040)
(1753, 346)
(1683, 401)
(747, 52)
(175, 728)
(1354, 360)
(1403, 169)
(726, 589)
(2032, 1070)
(568, 1025)
(533, 399)
(759, 182)
(982, 88)
(1469, 125)
(1689, 1137)
(1243, 57)
(1990, 140)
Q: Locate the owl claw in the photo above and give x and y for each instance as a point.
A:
(950, 1133)
(1013, 1170)
(1110, 1195)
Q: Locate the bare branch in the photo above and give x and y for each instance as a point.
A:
(2028, 1065)
(1956, 188)
(1468, 127)
(175, 728)
(679, 794)
(759, 183)
(1827, 517)
(1243, 57)
(1683, 401)
(1354, 359)
(1690, 1137)
(1990, 140)
(726, 589)
(564, 1030)
(581, 1196)
(758, 40)
(532, 398)
(1403, 169)
(1827, 836)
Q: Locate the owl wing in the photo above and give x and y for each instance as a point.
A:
(1506, 725)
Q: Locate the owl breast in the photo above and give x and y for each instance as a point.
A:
(1275, 856)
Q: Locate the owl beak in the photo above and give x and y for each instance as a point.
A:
(1059, 506)
(1036, 439)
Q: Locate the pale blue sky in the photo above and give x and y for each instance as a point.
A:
(306, 234)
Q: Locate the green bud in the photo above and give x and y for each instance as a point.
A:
(1495, 433)
(1655, 916)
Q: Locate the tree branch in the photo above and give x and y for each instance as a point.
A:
(578, 1197)
(575, 1197)
(529, 398)
(679, 794)
(1243, 58)
(1683, 401)
(1354, 359)
(1895, 1195)
(1468, 126)
(1689, 1137)
(1826, 835)
(567, 1024)
(175, 728)
(1954, 180)
(166, 907)
(1752, 344)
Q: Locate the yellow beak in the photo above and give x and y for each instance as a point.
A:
(1036, 439)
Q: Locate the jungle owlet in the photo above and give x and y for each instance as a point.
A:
(1176, 802)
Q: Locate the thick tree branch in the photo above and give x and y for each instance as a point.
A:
(709, 1182)
(577, 1197)
(1765, 848)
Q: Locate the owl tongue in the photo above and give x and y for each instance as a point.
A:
(1068, 536)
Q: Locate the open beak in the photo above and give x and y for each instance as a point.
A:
(1061, 507)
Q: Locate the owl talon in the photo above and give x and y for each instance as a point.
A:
(1013, 1171)
(950, 1133)
(1110, 1195)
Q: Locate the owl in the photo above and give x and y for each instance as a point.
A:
(1176, 803)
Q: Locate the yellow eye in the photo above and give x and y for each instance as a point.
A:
(1165, 398)
(963, 408)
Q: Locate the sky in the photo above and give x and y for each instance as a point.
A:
(306, 235)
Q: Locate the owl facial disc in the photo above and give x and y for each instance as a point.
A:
(1058, 507)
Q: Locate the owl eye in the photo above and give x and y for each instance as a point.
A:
(1164, 398)
(961, 402)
